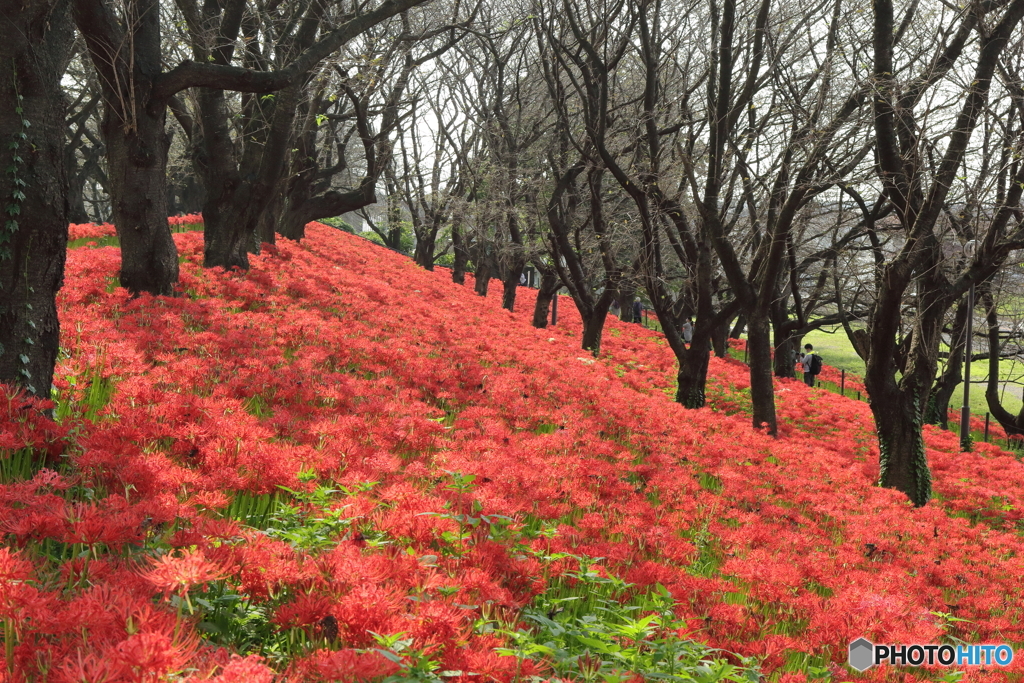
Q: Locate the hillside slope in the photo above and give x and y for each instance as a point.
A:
(447, 463)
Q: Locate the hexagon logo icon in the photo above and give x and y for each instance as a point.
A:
(862, 654)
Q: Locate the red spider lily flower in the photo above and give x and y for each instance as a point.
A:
(178, 573)
(251, 669)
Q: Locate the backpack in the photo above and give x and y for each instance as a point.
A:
(815, 364)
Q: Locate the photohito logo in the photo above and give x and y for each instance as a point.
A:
(864, 654)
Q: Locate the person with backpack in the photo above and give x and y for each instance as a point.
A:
(811, 364)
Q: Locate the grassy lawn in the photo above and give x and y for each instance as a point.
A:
(836, 350)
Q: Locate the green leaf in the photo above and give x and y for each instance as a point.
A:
(23, 358)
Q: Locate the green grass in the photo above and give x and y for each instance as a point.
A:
(836, 350)
(95, 242)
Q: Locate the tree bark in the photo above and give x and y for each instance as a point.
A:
(902, 457)
(128, 62)
(549, 285)
(786, 349)
(461, 252)
(137, 172)
(720, 340)
(759, 357)
(34, 190)
(937, 412)
(738, 327)
(510, 285)
(627, 295)
(482, 275)
(693, 372)
(594, 319)
(425, 245)
(1012, 424)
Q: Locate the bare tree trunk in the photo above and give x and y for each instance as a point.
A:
(33, 239)
(425, 246)
(461, 253)
(937, 412)
(720, 340)
(136, 139)
(786, 350)
(483, 273)
(549, 285)
(759, 357)
(627, 295)
(510, 285)
(593, 324)
(739, 327)
(693, 372)
(1013, 424)
(137, 171)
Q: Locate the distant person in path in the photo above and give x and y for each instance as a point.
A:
(638, 311)
(811, 364)
(615, 308)
(688, 330)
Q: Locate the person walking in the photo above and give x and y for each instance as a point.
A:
(638, 311)
(810, 362)
(688, 330)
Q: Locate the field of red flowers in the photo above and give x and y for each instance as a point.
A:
(340, 467)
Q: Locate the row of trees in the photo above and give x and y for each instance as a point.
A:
(760, 164)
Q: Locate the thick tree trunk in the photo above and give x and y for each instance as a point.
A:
(134, 131)
(549, 285)
(593, 324)
(759, 357)
(273, 221)
(898, 407)
(720, 340)
(425, 246)
(739, 327)
(627, 295)
(1014, 425)
(903, 465)
(787, 346)
(34, 228)
(77, 212)
(937, 412)
(137, 171)
(510, 285)
(482, 275)
(228, 235)
(238, 194)
(461, 253)
(693, 373)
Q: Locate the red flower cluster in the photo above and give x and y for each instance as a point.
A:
(77, 231)
(468, 452)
